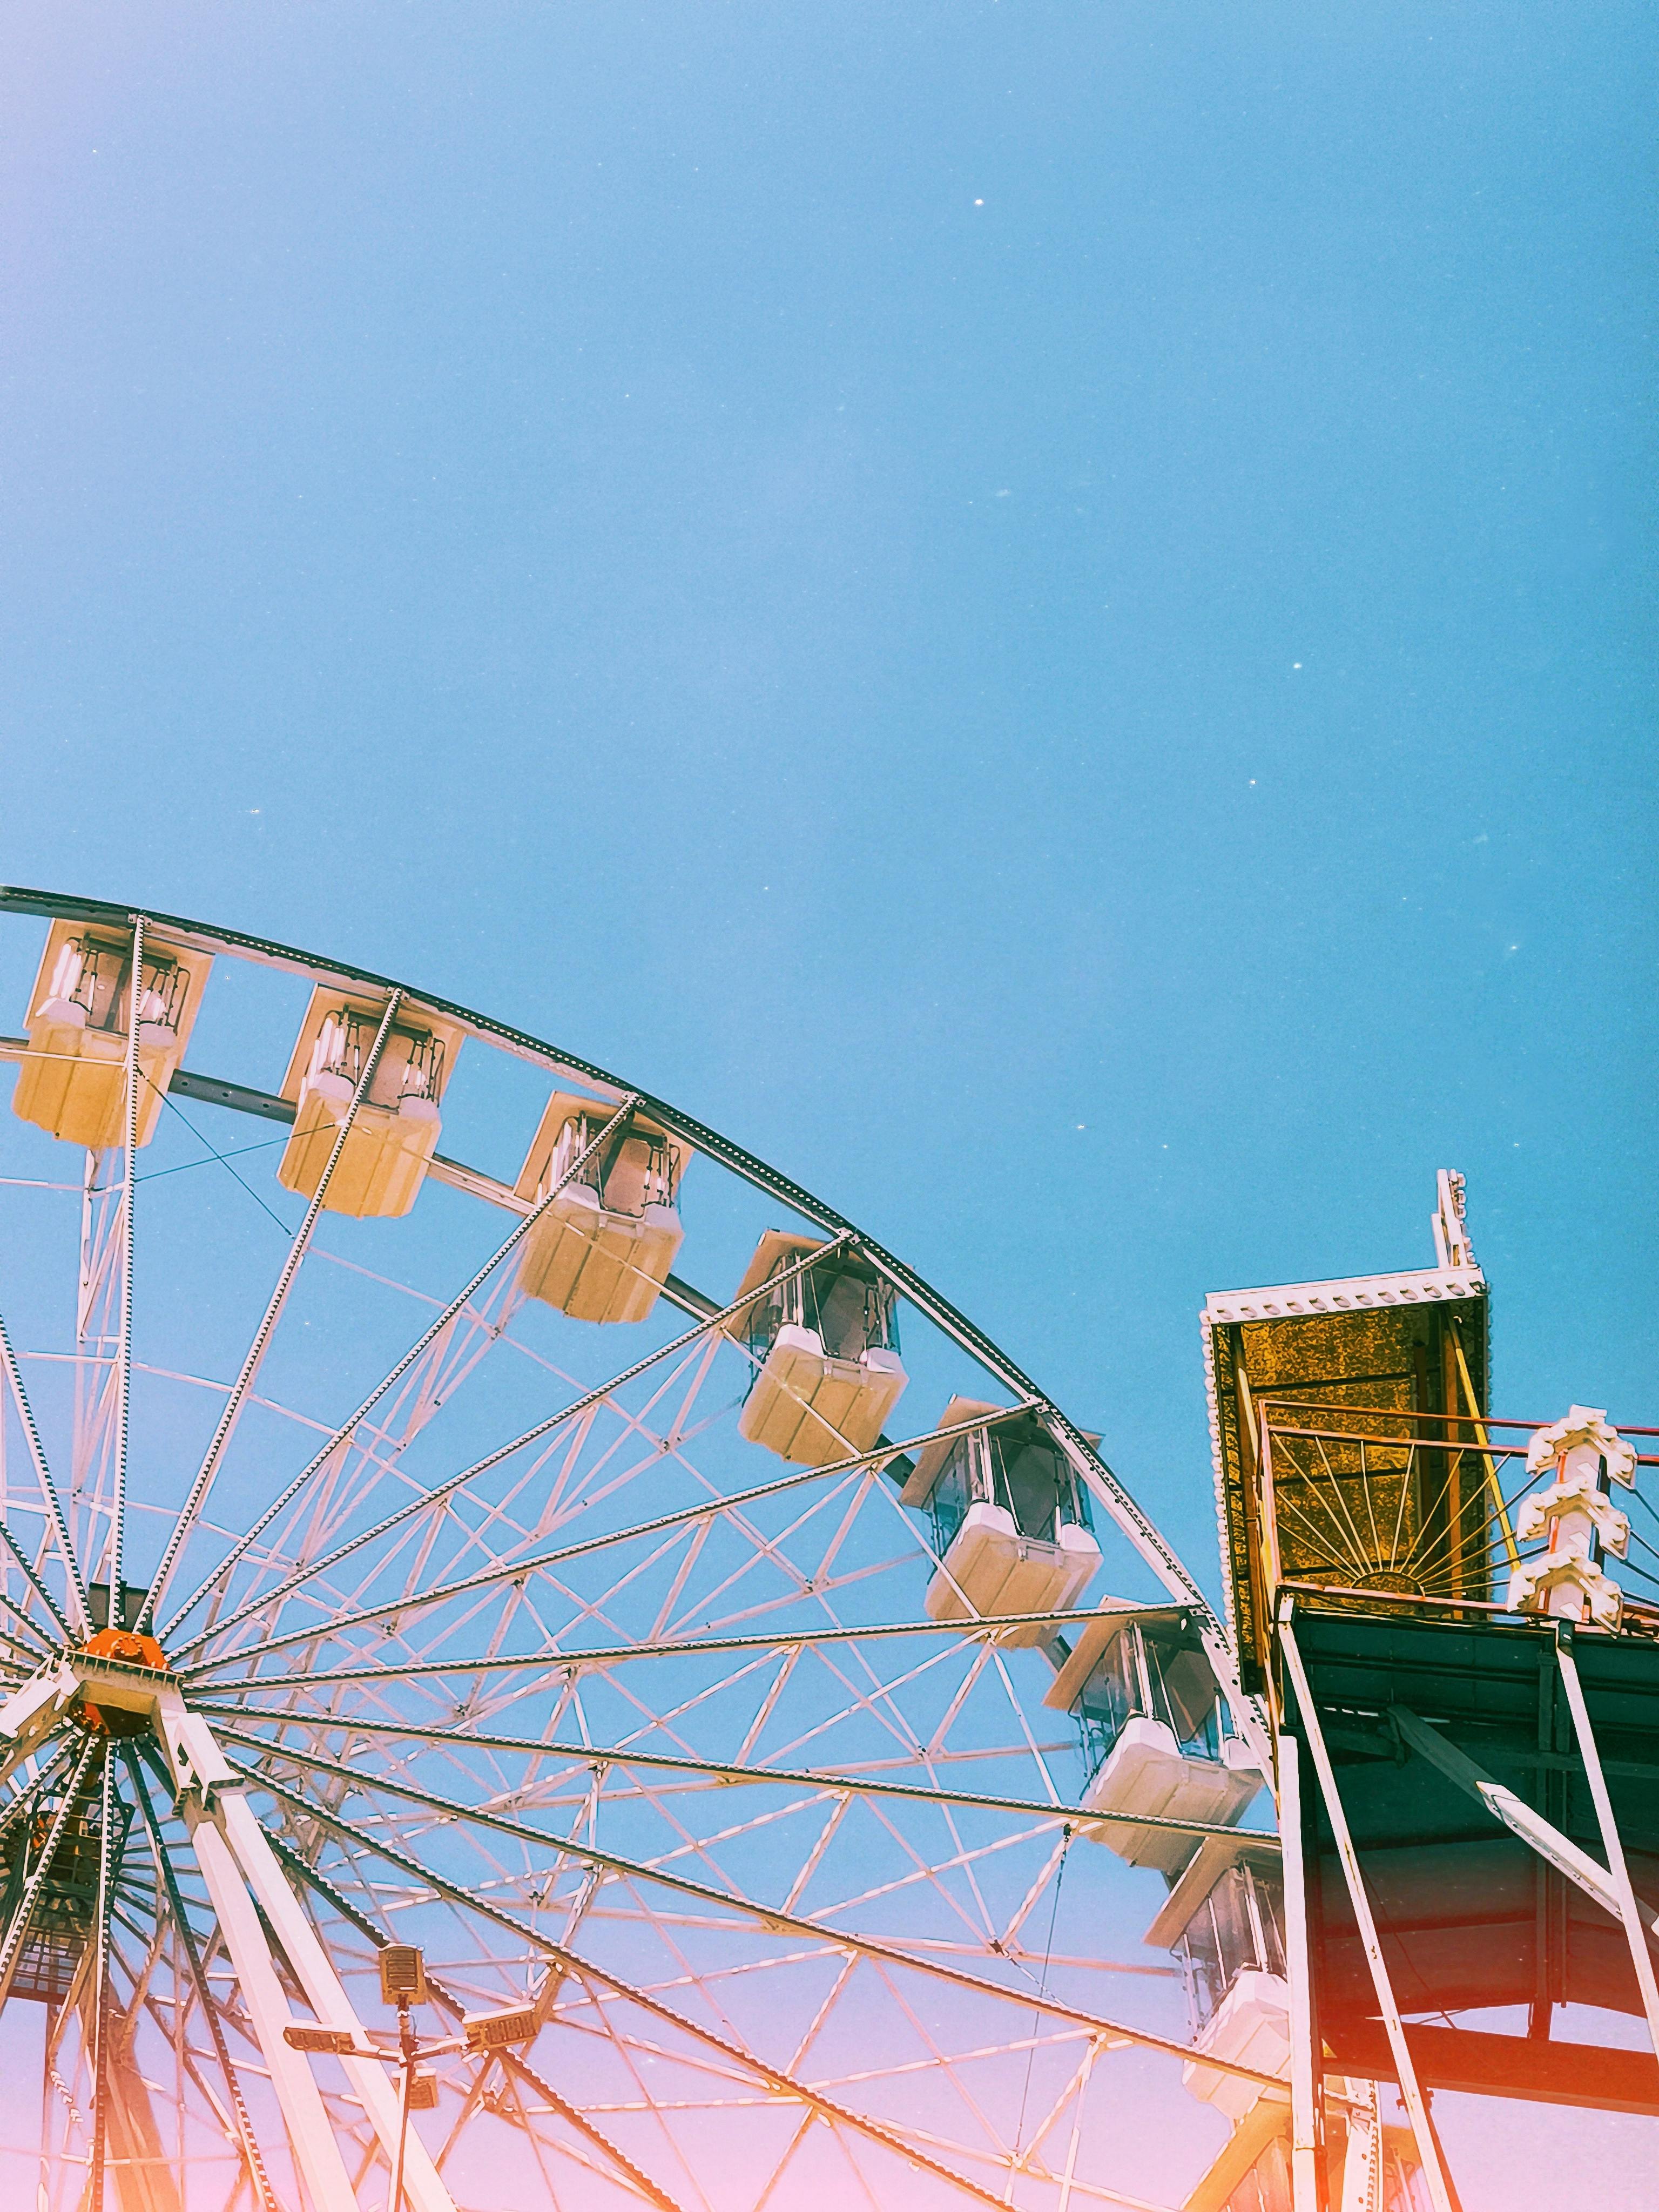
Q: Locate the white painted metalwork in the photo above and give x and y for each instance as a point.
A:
(508, 1636)
(1416, 2111)
(1620, 1882)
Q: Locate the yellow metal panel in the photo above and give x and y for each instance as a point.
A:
(72, 1081)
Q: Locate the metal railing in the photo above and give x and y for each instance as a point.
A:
(96, 976)
(1423, 1511)
(1026, 1473)
(850, 1308)
(621, 1180)
(412, 1064)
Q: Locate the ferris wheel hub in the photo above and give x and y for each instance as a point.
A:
(127, 1652)
(127, 1646)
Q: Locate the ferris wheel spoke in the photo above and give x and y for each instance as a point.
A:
(594, 1397)
(556, 1656)
(186, 1937)
(31, 1655)
(750, 2062)
(450, 1809)
(513, 2108)
(222, 1432)
(51, 1502)
(877, 1699)
(93, 1360)
(510, 1570)
(123, 1341)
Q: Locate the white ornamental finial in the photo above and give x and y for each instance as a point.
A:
(1578, 1520)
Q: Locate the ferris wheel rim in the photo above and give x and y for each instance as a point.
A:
(1162, 1557)
(904, 1280)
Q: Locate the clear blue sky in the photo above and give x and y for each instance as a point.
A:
(1041, 611)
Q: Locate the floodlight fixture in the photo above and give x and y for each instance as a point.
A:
(495, 2031)
(403, 1975)
(332, 2042)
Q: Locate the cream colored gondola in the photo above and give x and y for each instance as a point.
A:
(1224, 1920)
(395, 1134)
(1157, 1733)
(827, 1342)
(1011, 1521)
(604, 1248)
(73, 1079)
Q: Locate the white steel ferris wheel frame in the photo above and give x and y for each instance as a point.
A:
(216, 1927)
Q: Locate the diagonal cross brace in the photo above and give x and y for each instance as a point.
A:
(1562, 1853)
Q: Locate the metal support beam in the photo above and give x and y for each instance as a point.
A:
(1534, 1830)
(186, 1936)
(1536, 2069)
(394, 1375)
(1416, 2111)
(117, 1521)
(1635, 1933)
(226, 1425)
(1307, 2066)
(101, 2004)
(1362, 2158)
(310, 2132)
(325, 1994)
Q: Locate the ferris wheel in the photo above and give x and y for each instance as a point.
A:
(542, 1666)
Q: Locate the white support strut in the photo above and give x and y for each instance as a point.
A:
(310, 2131)
(245, 1881)
(1416, 2111)
(326, 1994)
(1307, 2063)
(1628, 1911)
(1561, 1852)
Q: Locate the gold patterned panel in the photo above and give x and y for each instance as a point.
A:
(1362, 1497)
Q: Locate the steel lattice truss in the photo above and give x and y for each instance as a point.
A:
(511, 1647)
